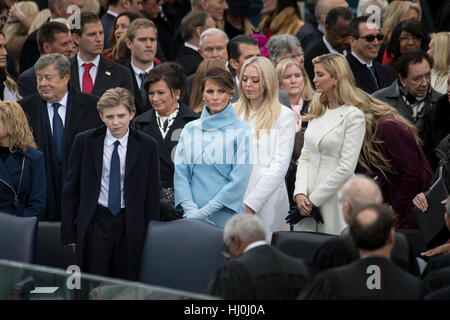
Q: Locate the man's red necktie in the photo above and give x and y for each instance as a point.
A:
(87, 79)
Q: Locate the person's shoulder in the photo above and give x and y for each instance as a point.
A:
(354, 112)
(143, 138)
(29, 100)
(188, 113)
(85, 97)
(34, 154)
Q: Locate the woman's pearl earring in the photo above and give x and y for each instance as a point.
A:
(177, 97)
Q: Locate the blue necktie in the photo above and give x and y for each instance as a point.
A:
(142, 90)
(114, 195)
(58, 129)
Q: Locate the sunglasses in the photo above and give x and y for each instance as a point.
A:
(371, 37)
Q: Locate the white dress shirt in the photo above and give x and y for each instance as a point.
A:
(361, 61)
(93, 71)
(61, 111)
(138, 71)
(108, 148)
(254, 245)
(191, 46)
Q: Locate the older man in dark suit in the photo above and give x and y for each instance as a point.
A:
(365, 43)
(256, 270)
(335, 40)
(374, 277)
(191, 28)
(111, 191)
(52, 37)
(90, 71)
(56, 114)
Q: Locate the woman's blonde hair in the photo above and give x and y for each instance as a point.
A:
(441, 44)
(16, 125)
(196, 102)
(270, 108)
(17, 32)
(346, 92)
(395, 13)
(10, 83)
(308, 91)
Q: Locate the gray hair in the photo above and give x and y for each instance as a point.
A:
(244, 226)
(52, 3)
(360, 191)
(363, 6)
(211, 32)
(61, 63)
(278, 45)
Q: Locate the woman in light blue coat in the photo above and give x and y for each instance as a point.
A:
(212, 160)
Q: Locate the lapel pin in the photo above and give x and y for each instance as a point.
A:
(108, 73)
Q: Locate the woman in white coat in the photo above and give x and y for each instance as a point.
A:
(274, 128)
(332, 145)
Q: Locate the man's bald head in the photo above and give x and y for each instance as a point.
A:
(357, 192)
(324, 6)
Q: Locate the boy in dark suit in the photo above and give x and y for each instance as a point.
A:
(111, 192)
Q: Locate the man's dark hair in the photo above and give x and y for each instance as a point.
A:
(233, 45)
(47, 31)
(336, 13)
(411, 57)
(194, 19)
(112, 2)
(374, 235)
(354, 26)
(86, 17)
(411, 26)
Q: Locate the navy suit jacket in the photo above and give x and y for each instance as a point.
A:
(27, 83)
(107, 23)
(364, 79)
(189, 59)
(109, 75)
(82, 189)
(81, 115)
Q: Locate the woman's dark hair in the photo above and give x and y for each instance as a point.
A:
(112, 37)
(221, 77)
(172, 73)
(415, 28)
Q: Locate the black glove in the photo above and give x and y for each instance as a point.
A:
(294, 215)
(168, 211)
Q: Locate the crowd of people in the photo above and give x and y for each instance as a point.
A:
(253, 116)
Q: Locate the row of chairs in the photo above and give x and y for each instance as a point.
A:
(180, 254)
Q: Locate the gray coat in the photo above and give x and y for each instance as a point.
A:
(392, 96)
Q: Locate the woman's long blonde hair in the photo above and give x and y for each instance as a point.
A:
(346, 92)
(270, 108)
(308, 91)
(196, 102)
(441, 44)
(16, 125)
(10, 83)
(395, 13)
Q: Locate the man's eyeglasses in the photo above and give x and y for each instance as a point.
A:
(371, 37)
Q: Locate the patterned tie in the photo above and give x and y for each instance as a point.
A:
(144, 95)
(372, 72)
(114, 194)
(58, 129)
(88, 84)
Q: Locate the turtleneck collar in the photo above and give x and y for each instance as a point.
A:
(222, 119)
